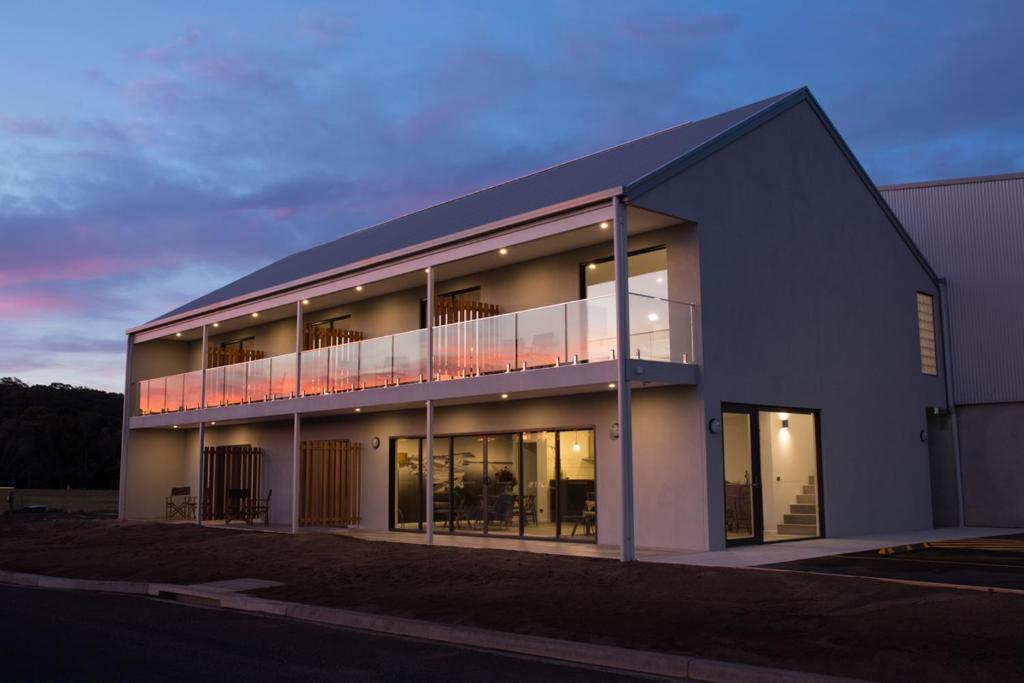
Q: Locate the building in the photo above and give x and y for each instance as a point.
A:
(711, 335)
(972, 231)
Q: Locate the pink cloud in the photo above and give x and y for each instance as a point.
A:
(74, 268)
(322, 28)
(283, 212)
(161, 54)
(26, 305)
(23, 126)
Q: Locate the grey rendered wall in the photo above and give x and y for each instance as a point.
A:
(992, 459)
(156, 462)
(808, 300)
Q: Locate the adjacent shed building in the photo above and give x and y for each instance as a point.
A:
(972, 232)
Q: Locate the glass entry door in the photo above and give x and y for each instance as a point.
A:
(771, 471)
(743, 523)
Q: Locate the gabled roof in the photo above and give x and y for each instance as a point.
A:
(622, 165)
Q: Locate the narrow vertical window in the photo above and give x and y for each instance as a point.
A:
(926, 333)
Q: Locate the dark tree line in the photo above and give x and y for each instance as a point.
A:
(59, 435)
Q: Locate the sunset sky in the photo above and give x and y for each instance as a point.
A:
(150, 155)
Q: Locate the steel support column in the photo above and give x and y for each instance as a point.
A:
(296, 454)
(627, 546)
(200, 493)
(126, 415)
(428, 485)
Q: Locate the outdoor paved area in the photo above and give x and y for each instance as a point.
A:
(991, 562)
(743, 556)
(54, 635)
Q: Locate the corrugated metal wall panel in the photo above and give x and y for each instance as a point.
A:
(972, 232)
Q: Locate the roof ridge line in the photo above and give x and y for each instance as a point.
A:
(668, 165)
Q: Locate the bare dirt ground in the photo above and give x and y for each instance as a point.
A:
(836, 625)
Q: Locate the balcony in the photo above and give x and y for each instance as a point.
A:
(571, 333)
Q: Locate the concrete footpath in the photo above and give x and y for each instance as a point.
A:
(611, 658)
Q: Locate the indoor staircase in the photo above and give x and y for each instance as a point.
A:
(802, 519)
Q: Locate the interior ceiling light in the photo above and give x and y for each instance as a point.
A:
(592, 266)
(576, 442)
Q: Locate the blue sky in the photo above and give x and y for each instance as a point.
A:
(152, 152)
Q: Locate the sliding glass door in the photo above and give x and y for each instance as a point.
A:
(540, 484)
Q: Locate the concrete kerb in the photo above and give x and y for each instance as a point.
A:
(570, 652)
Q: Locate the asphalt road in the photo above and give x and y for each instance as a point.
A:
(71, 636)
(995, 561)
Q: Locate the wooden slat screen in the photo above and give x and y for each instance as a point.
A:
(230, 467)
(453, 310)
(217, 356)
(329, 483)
(926, 333)
(318, 337)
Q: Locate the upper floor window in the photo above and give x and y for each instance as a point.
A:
(926, 333)
(648, 274)
(342, 322)
(243, 344)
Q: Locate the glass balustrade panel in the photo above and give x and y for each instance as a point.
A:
(282, 376)
(660, 330)
(143, 397)
(455, 347)
(590, 329)
(157, 391)
(215, 387)
(234, 383)
(258, 384)
(343, 367)
(314, 376)
(497, 343)
(375, 362)
(174, 393)
(410, 357)
(540, 337)
(192, 389)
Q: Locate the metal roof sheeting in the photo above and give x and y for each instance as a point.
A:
(614, 167)
(972, 232)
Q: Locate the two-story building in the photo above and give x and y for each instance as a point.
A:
(714, 334)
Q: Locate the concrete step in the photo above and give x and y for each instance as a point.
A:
(810, 489)
(805, 509)
(800, 519)
(810, 480)
(798, 529)
(806, 499)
